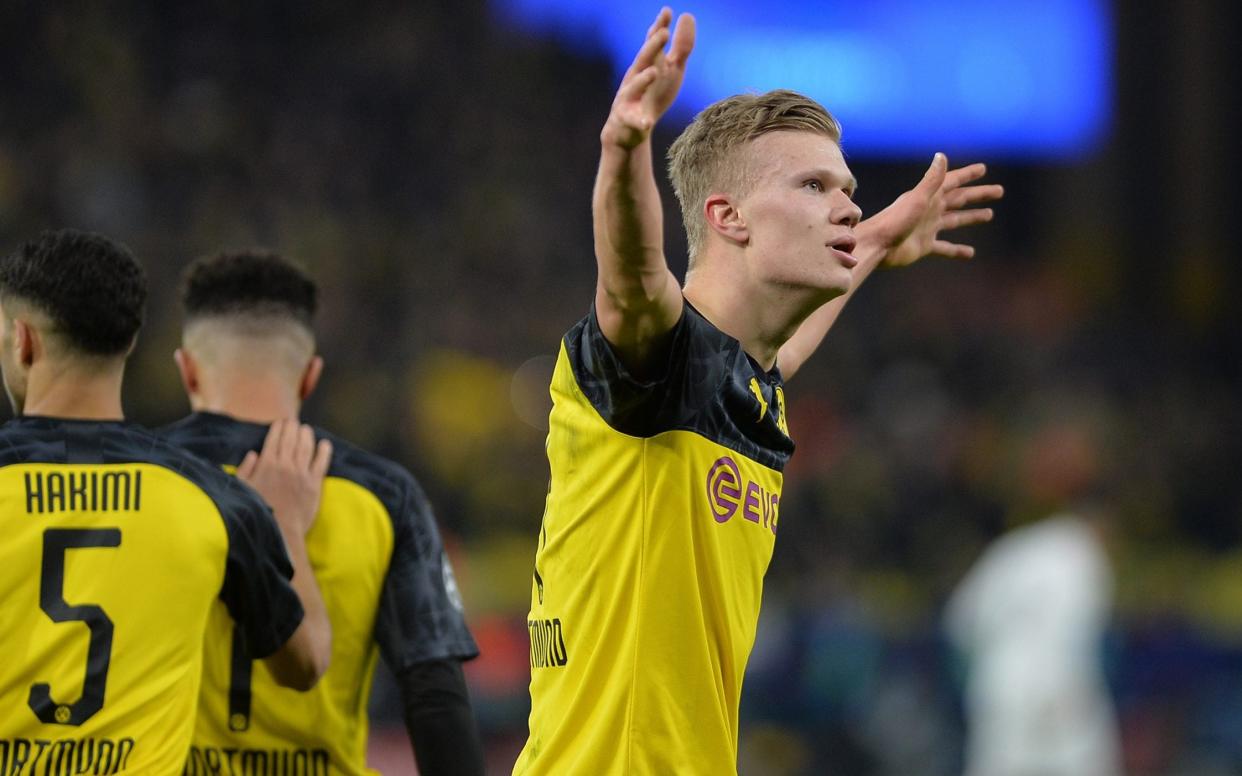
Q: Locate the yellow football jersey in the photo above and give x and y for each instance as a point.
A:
(116, 546)
(387, 586)
(660, 522)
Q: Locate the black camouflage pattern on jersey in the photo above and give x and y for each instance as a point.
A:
(419, 616)
(256, 586)
(704, 387)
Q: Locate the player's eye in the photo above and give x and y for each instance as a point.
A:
(814, 185)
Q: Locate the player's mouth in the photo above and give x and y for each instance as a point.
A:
(844, 248)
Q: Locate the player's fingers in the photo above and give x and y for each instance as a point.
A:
(647, 54)
(662, 19)
(290, 428)
(955, 219)
(952, 250)
(305, 447)
(271, 442)
(683, 40)
(248, 464)
(973, 195)
(322, 460)
(637, 86)
(964, 175)
(934, 177)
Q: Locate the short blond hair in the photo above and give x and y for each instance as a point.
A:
(704, 157)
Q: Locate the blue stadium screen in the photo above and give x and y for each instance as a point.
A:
(1019, 78)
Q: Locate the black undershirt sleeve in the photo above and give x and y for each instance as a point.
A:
(439, 719)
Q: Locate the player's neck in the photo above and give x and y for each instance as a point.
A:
(762, 321)
(255, 401)
(75, 394)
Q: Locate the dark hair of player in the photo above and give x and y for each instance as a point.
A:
(91, 288)
(251, 282)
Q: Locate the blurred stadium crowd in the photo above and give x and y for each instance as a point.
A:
(433, 171)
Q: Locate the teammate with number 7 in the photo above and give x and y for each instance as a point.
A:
(116, 544)
(668, 433)
(248, 357)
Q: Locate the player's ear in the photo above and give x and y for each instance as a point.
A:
(188, 368)
(28, 343)
(310, 377)
(725, 219)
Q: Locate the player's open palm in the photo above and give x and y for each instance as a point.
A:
(911, 226)
(289, 473)
(652, 81)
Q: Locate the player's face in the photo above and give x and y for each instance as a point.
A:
(13, 380)
(800, 213)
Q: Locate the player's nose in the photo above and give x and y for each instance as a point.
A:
(846, 212)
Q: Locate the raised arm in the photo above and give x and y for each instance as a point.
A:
(289, 475)
(637, 299)
(899, 235)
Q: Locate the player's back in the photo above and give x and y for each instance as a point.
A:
(116, 546)
(363, 546)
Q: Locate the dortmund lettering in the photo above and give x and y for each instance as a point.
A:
(64, 756)
(233, 761)
(547, 644)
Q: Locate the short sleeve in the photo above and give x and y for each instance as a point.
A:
(420, 614)
(257, 588)
(694, 366)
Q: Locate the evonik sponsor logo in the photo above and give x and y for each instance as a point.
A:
(728, 494)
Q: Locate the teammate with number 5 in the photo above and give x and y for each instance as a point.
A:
(116, 544)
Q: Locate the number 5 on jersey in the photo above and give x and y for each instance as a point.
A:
(56, 542)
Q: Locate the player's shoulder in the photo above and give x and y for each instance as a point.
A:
(389, 481)
(230, 495)
(693, 340)
(30, 440)
(219, 439)
(224, 440)
(698, 358)
(68, 441)
(691, 322)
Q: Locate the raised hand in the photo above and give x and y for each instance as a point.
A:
(910, 227)
(289, 474)
(652, 81)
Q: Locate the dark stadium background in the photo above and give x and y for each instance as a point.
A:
(433, 169)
